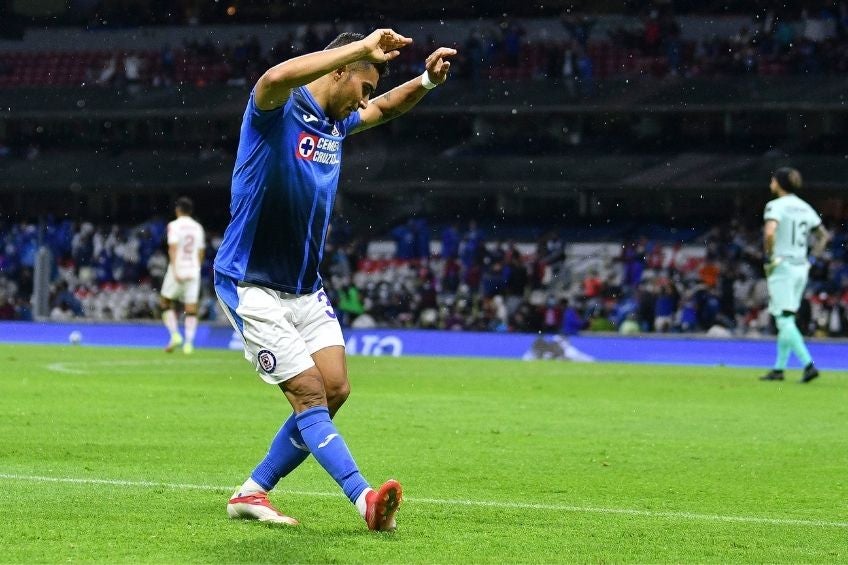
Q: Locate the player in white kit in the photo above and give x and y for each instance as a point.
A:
(186, 249)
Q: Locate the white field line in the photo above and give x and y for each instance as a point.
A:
(694, 516)
(69, 366)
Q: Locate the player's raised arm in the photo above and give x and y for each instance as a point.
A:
(404, 97)
(273, 88)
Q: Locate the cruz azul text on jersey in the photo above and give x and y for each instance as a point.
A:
(318, 149)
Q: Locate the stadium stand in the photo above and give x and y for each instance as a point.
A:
(461, 280)
(590, 133)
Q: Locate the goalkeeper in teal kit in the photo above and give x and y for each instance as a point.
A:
(789, 221)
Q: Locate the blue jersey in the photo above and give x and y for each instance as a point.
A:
(284, 186)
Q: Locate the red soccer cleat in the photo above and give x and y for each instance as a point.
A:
(382, 505)
(256, 506)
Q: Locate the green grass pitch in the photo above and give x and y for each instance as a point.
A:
(129, 455)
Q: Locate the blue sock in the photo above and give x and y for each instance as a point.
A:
(328, 447)
(287, 451)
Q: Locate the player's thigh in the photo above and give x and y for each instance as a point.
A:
(171, 289)
(786, 288)
(800, 278)
(191, 294)
(332, 364)
(317, 323)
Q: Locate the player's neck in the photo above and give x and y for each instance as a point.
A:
(320, 91)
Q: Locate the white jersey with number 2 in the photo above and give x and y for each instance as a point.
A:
(189, 237)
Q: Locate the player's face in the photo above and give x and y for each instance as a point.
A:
(773, 186)
(353, 91)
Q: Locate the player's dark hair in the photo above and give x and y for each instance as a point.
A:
(788, 178)
(184, 205)
(347, 37)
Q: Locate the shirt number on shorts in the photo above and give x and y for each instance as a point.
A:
(324, 299)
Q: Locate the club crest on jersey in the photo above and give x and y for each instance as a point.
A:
(306, 145)
(318, 149)
(267, 360)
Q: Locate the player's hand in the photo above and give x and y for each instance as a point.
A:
(383, 45)
(437, 65)
(770, 265)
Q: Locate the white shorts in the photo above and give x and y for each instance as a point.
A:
(187, 291)
(281, 331)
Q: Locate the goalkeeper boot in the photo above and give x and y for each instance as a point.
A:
(773, 375)
(256, 506)
(810, 373)
(382, 506)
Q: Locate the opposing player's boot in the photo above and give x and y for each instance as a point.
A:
(256, 506)
(382, 505)
(188, 348)
(176, 341)
(810, 373)
(773, 375)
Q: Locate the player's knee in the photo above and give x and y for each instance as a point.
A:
(338, 392)
(306, 390)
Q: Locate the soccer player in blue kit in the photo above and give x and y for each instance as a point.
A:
(266, 271)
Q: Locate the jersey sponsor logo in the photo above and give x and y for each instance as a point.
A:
(336, 130)
(309, 118)
(266, 360)
(318, 149)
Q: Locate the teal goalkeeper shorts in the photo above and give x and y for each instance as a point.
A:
(786, 286)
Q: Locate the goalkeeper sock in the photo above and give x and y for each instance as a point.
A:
(327, 445)
(287, 451)
(789, 339)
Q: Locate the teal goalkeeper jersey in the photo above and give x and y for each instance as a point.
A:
(795, 220)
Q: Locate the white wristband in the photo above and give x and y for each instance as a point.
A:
(426, 82)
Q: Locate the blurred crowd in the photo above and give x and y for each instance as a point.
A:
(775, 42)
(714, 285)
(103, 272)
(454, 278)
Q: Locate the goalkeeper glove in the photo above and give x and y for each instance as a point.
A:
(770, 265)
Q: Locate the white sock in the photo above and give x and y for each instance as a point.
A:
(170, 319)
(250, 487)
(360, 503)
(190, 327)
